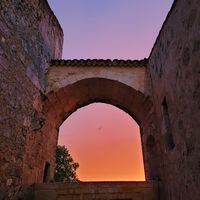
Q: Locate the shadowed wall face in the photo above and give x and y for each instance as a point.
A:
(29, 37)
(174, 68)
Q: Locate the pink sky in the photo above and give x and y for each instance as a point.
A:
(105, 141)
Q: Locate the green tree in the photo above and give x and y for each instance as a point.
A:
(65, 166)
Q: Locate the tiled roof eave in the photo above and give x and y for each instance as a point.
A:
(99, 63)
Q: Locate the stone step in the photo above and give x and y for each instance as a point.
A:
(96, 191)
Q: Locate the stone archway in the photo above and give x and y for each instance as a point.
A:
(73, 84)
(66, 100)
(59, 104)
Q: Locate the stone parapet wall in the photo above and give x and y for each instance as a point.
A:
(96, 190)
(62, 76)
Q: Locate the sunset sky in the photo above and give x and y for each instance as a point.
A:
(104, 140)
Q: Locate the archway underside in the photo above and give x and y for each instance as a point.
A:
(65, 101)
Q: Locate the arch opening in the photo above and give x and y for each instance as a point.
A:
(60, 103)
(106, 143)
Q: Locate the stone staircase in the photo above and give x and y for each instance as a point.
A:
(96, 191)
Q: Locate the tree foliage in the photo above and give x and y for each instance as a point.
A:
(65, 166)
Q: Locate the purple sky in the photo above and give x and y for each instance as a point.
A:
(124, 29)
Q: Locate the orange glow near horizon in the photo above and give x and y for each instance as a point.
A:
(106, 143)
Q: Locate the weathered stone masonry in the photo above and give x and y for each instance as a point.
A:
(174, 67)
(30, 36)
(37, 95)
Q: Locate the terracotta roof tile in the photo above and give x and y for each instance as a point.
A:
(99, 63)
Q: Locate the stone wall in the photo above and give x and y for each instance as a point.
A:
(97, 190)
(174, 67)
(62, 76)
(29, 37)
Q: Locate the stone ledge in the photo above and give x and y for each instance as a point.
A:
(97, 190)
